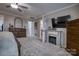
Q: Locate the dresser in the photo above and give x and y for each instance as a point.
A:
(73, 36)
(18, 32)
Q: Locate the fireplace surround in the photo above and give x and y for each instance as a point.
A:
(57, 37)
(54, 37)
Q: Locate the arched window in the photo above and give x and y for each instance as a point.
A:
(18, 22)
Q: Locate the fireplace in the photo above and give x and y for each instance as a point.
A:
(57, 37)
(54, 37)
(52, 40)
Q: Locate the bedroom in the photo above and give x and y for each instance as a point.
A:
(32, 28)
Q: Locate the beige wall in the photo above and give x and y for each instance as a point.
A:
(73, 11)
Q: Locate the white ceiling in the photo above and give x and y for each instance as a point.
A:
(35, 9)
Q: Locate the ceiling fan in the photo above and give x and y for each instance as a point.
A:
(17, 6)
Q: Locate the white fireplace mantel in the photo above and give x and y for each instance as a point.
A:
(56, 34)
(60, 34)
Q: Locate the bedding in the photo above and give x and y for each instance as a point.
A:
(34, 47)
(8, 45)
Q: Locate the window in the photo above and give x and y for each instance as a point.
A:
(1, 22)
(30, 28)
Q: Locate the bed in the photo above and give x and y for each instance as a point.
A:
(34, 47)
(8, 44)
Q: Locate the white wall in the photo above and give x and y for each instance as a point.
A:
(8, 19)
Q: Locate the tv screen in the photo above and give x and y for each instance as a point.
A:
(60, 21)
(63, 19)
(53, 22)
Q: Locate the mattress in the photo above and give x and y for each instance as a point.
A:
(8, 45)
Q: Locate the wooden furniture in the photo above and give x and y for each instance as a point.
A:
(73, 36)
(18, 32)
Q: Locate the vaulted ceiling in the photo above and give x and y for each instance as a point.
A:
(34, 9)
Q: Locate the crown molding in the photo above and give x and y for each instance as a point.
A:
(47, 14)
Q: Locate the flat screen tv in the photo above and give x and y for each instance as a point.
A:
(60, 21)
(63, 19)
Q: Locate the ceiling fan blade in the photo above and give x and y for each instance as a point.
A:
(8, 6)
(23, 6)
(19, 10)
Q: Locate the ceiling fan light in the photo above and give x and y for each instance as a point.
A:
(14, 6)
